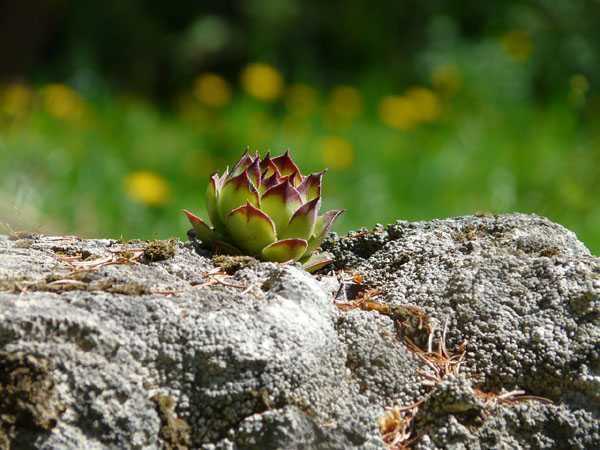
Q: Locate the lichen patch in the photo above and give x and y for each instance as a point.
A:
(174, 432)
(28, 399)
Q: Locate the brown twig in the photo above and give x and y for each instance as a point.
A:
(121, 257)
(216, 276)
(441, 362)
(512, 397)
(365, 302)
(397, 426)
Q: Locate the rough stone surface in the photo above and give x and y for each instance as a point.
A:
(523, 293)
(157, 345)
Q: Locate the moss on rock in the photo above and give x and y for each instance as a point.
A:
(28, 399)
(174, 431)
(159, 250)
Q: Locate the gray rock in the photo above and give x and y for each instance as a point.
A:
(137, 345)
(523, 293)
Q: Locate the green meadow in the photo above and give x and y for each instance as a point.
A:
(468, 138)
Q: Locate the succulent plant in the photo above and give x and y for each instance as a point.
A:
(266, 208)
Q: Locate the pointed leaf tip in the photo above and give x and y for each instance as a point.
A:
(254, 172)
(285, 250)
(322, 228)
(268, 167)
(331, 216)
(317, 261)
(280, 202)
(250, 228)
(217, 181)
(302, 223)
(235, 193)
(311, 185)
(213, 191)
(205, 233)
(242, 164)
(287, 166)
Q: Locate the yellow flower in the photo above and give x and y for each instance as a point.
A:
(212, 90)
(147, 187)
(397, 112)
(426, 105)
(404, 112)
(518, 45)
(301, 99)
(579, 83)
(15, 100)
(446, 79)
(579, 86)
(337, 153)
(62, 102)
(262, 81)
(345, 102)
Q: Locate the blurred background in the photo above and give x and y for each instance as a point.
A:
(114, 113)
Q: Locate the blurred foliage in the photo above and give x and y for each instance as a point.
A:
(156, 47)
(419, 109)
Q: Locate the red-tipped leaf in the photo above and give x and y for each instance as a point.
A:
(242, 164)
(235, 193)
(322, 228)
(271, 181)
(254, 172)
(285, 250)
(205, 233)
(264, 162)
(280, 202)
(302, 223)
(251, 229)
(317, 261)
(212, 195)
(269, 168)
(311, 186)
(287, 166)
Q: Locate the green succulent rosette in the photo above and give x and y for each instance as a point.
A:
(266, 208)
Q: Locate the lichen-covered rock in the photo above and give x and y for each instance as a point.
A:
(157, 345)
(200, 358)
(522, 292)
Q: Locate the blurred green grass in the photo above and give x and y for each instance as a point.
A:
(469, 139)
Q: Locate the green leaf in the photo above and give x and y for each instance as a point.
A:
(235, 193)
(206, 234)
(242, 164)
(310, 187)
(266, 165)
(322, 227)
(254, 173)
(317, 261)
(212, 199)
(285, 250)
(269, 182)
(250, 228)
(280, 202)
(302, 223)
(287, 166)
